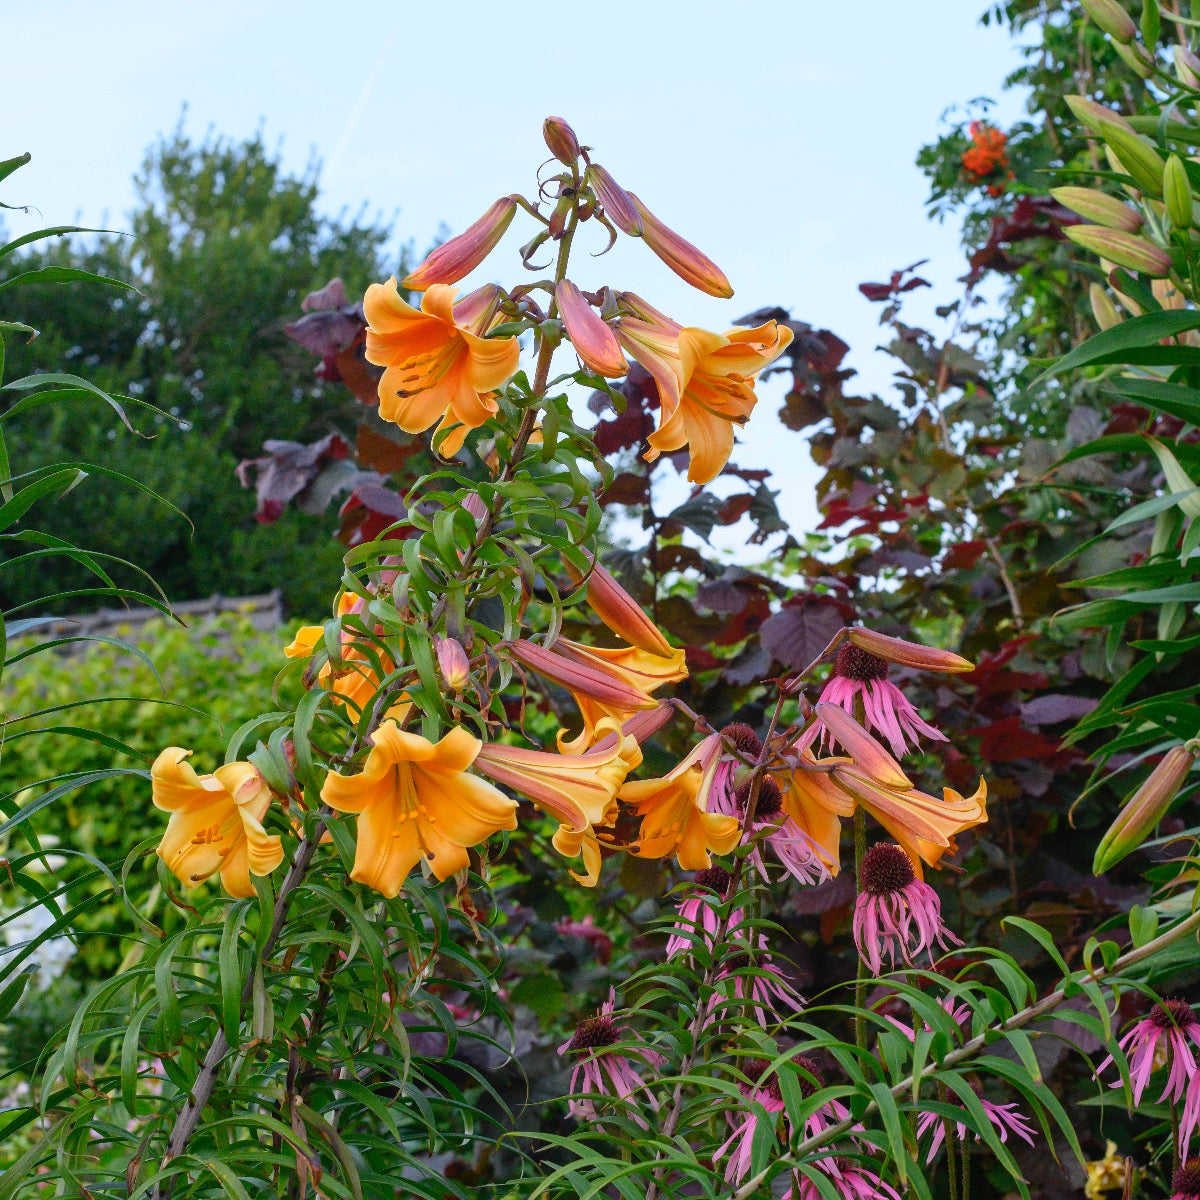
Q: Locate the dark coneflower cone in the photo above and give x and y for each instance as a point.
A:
(886, 869)
(744, 738)
(1173, 1014)
(859, 665)
(807, 1086)
(1186, 1180)
(595, 1031)
(755, 1069)
(715, 879)
(770, 798)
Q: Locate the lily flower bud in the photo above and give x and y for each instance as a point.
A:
(909, 654)
(866, 752)
(561, 140)
(1112, 18)
(1099, 208)
(615, 200)
(578, 678)
(452, 662)
(1136, 59)
(621, 612)
(1124, 249)
(1103, 309)
(1177, 193)
(1144, 809)
(1187, 67)
(462, 254)
(1137, 157)
(594, 342)
(690, 264)
(1090, 114)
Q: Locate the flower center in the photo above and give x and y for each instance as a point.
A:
(596, 1031)
(885, 869)
(1186, 1180)
(807, 1087)
(1172, 1014)
(755, 1069)
(716, 879)
(770, 799)
(744, 738)
(856, 664)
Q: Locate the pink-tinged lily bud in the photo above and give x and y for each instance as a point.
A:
(866, 752)
(1177, 193)
(561, 140)
(909, 654)
(1187, 67)
(1136, 58)
(1099, 208)
(579, 678)
(1103, 309)
(1137, 157)
(617, 203)
(475, 506)
(1112, 18)
(461, 255)
(452, 662)
(620, 611)
(594, 342)
(1089, 114)
(1125, 249)
(1144, 809)
(643, 725)
(690, 264)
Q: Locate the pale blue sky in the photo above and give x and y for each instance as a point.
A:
(778, 137)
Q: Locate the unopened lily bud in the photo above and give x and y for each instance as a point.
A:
(594, 342)
(620, 612)
(1125, 249)
(690, 264)
(1090, 114)
(866, 752)
(1137, 157)
(1177, 193)
(909, 654)
(1144, 809)
(475, 506)
(1112, 18)
(603, 686)
(615, 200)
(561, 140)
(1187, 67)
(1151, 23)
(452, 662)
(461, 255)
(1099, 208)
(1136, 59)
(1103, 309)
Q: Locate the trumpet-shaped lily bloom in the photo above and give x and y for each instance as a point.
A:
(579, 789)
(439, 365)
(705, 383)
(414, 800)
(816, 804)
(215, 823)
(675, 814)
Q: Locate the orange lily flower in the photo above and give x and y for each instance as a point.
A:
(439, 366)
(579, 789)
(215, 823)
(705, 382)
(573, 843)
(414, 800)
(674, 811)
(817, 804)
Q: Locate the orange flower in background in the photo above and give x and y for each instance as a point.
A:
(674, 811)
(439, 366)
(705, 382)
(414, 800)
(215, 824)
(986, 157)
(817, 804)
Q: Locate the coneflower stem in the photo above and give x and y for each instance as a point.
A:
(860, 980)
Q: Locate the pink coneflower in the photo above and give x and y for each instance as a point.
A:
(602, 1072)
(1185, 1183)
(831, 1112)
(1174, 1021)
(958, 1011)
(740, 1143)
(852, 1180)
(698, 917)
(755, 980)
(796, 851)
(896, 913)
(857, 673)
(1007, 1118)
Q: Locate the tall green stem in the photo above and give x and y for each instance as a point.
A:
(860, 981)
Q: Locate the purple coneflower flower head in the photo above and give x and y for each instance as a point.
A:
(859, 674)
(1173, 1024)
(831, 1112)
(958, 1011)
(896, 913)
(755, 980)
(698, 917)
(603, 1072)
(1189, 1119)
(744, 738)
(1007, 1119)
(796, 851)
(852, 1180)
(1185, 1183)
(740, 1143)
